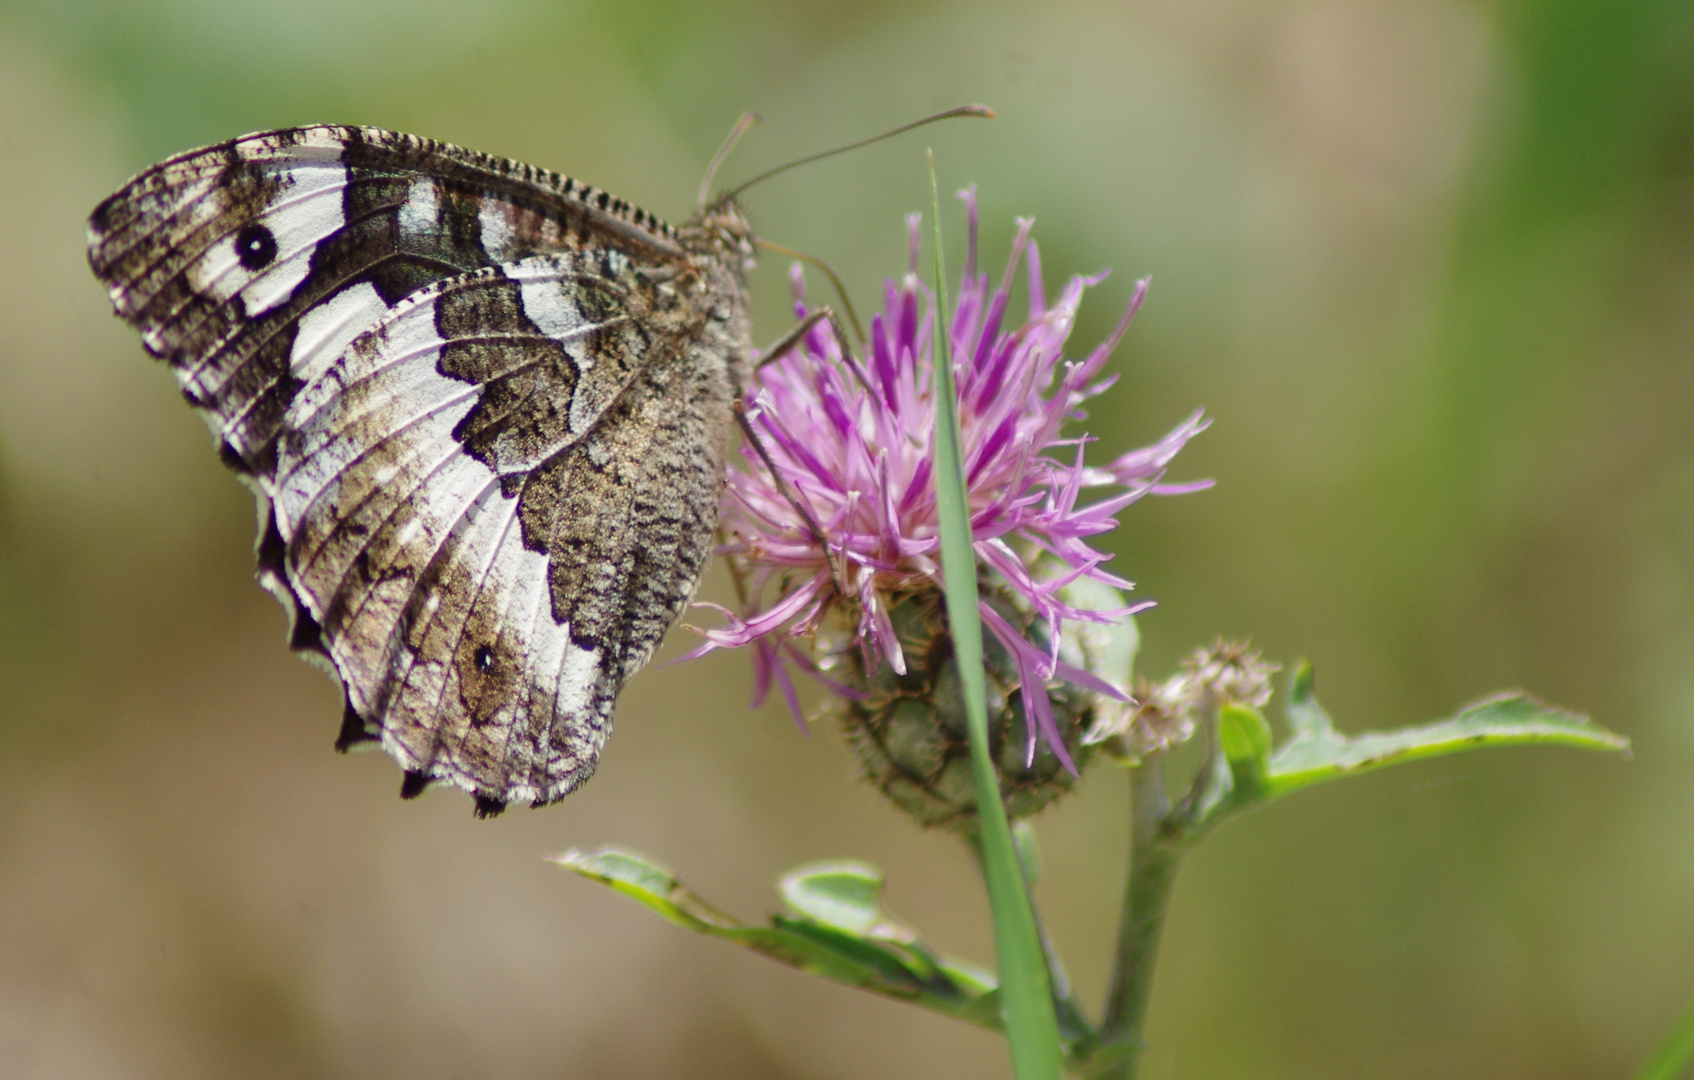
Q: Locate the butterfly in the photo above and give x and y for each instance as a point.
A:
(484, 408)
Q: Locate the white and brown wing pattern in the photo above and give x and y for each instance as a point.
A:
(484, 408)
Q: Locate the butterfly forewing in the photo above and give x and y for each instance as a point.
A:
(484, 408)
(220, 256)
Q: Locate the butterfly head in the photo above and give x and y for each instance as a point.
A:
(722, 231)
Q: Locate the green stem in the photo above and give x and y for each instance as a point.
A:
(1675, 1055)
(1154, 858)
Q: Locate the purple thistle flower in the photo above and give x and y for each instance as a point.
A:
(851, 439)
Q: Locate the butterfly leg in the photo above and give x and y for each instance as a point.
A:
(785, 344)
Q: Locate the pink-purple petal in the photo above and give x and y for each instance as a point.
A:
(851, 437)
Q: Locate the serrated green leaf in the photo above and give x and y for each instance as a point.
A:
(840, 932)
(1317, 752)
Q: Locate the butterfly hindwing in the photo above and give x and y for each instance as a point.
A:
(493, 523)
(484, 408)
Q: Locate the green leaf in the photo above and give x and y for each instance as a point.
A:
(839, 931)
(842, 894)
(1031, 1026)
(1316, 752)
(1244, 736)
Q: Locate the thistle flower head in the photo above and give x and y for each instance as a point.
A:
(849, 437)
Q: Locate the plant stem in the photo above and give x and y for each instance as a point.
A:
(1154, 858)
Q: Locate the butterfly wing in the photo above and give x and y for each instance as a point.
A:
(484, 408)
(494, 503)
(246, 265)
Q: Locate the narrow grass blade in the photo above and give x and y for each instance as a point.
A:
(1031, 1026)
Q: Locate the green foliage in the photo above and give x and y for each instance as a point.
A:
(837, 930)
(1243, 768)
(1316, 752)
(1244, 736)
(1246, 771)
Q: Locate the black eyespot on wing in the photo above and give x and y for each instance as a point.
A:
(255, 247)
(484, 658)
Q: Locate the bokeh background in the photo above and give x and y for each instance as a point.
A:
(1429, 264)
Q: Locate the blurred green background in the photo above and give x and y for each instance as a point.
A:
(1430, 265)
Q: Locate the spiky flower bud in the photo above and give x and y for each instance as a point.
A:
(1227, 673)
(1163, 716)
(1156, 721)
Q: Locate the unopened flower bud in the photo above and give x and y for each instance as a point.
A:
(1227, 673)
(1156, 721)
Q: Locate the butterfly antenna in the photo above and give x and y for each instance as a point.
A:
(834, 279)
(963, 110)
(742, 125)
